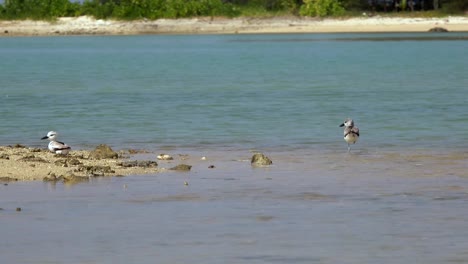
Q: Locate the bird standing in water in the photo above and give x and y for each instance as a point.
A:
(351, 132)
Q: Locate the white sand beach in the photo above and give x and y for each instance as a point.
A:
(90, 26)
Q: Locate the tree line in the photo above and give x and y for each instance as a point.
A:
(155, 9)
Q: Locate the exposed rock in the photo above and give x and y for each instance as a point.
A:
(7, 179)
(181, 167)
(61, 162)
(94, 170)
(438, 29)
(51, 177)
(67, 162)
(74, 162)
(35, 150)
(139, 163)
(4, 156)
(103, 152)
(259, 159)
(32, 158)
(72, 178)
(211, 167)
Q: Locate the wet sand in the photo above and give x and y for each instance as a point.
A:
(89, 26)
(21, 163)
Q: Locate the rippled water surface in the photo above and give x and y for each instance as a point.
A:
(304, 209)
(400, 196)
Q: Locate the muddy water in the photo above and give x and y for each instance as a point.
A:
(306, 208)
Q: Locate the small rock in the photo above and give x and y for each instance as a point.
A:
(185, 183)
(103, 152)
(138, 163)
(164, 157)
(74, 162)
(181, 167)
(18, 209)
(259, 159)
(4, 156)
(211, 167)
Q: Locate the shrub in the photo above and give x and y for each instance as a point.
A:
(321, 8)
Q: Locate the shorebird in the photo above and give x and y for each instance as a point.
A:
(56, 147)
(351, 132)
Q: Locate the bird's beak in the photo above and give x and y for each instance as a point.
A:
(342, 125)
(46, 137)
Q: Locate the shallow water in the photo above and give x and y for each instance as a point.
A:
(303, 209)
(236, 91)
(399, 197)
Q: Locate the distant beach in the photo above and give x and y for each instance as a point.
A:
(90, 26)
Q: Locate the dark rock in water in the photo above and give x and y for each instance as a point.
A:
(94, 170)
(259, 159)
(32, 158)
(18, 209)
(181, 167)
(211, 167)
(103, 152)
(139, 163)
(438, 29)
(19, 146)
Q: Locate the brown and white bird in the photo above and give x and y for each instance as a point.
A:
(56, 147)
(351, 132)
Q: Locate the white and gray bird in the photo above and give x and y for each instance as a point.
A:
(55, 146)
(351, 132)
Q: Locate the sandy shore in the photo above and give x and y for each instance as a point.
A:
(90, 26)
(25, 164)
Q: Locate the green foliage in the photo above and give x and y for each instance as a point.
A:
(454, 6)
(154, 9)
(321, 8)
(38, 9)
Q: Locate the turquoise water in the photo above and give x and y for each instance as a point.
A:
(236, 91)
(400, 196)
